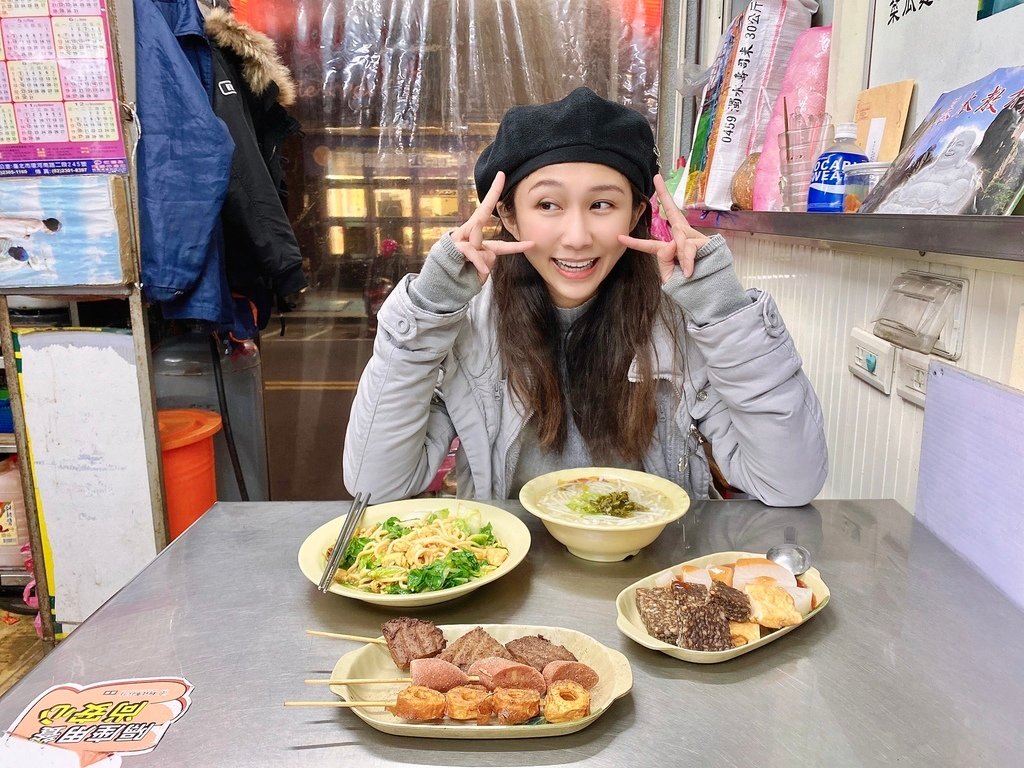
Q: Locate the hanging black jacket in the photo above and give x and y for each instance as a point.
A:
(252, 87)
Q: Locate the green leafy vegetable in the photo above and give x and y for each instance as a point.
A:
(394, 529)
(352, 551)
(485, 538)
(453, 570)
(615, 504)
(441, 514)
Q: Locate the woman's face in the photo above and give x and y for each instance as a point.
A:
(574, 213)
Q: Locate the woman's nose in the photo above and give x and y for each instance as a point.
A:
(576, 233)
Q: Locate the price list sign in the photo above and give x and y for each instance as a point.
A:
(58, 100)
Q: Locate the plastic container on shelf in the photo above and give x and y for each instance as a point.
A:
(828, 181)
(861, 178)
(184, 378)
(6, 418)
(190, 478)
(13, 522)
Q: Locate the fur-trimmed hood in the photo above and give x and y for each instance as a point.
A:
(261, 64)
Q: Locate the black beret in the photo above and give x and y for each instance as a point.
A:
(581, 128)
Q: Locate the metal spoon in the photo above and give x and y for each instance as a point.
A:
(792, 557)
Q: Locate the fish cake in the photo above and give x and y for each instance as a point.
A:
(515, 705)
(469, 702)
(566, 701)
(419, 703)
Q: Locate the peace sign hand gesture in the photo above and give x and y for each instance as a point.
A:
(469, 238)
(681, 249)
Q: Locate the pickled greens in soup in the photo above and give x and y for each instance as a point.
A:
(605, 501)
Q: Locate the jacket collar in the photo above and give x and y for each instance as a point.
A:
(261, 65)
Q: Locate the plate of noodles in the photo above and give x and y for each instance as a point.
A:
(419, 551)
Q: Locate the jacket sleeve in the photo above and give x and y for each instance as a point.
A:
(757, 407)
(253, 214)
(399, 432)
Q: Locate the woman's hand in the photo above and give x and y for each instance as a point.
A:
(681, 249)
(469, 238)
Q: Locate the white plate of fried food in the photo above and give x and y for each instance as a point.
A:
(419, 552)
(718, 607)
(490, 707)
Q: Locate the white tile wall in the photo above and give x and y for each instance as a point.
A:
(874, 440)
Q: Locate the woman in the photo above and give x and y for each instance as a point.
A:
(575, 340)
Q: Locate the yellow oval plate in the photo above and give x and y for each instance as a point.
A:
(630, 624)
(374, 661)
(507, 528)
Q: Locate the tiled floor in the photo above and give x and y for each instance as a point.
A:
(20, 649)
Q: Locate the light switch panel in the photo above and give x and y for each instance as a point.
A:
(871, 359)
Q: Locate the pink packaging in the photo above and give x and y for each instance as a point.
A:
(803, 86)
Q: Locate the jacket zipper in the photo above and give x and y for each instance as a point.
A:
(512, 452)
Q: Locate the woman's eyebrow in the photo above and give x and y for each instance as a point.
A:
(608, 188)
(546, 183)
(599, 188)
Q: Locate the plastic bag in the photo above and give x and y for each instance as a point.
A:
(744, 82)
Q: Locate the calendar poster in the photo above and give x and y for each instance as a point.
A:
(57, 232)
(58, 94)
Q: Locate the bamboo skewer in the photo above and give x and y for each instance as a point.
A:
(340, 704)
(339, 636)
(371, 680)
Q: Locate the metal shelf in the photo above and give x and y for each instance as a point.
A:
(990, 237)
(14, 576)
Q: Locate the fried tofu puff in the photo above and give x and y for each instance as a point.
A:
(419, 703)
(515, 705)
(566, 701)
(469, 702)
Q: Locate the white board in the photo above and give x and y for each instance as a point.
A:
(84, 422)
(942, 46)
(971, 481)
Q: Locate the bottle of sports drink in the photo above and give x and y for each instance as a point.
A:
(828, 180)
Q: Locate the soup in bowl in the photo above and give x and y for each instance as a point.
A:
(603, 513)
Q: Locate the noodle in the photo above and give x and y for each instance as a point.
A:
(419, 555)
(556, 502)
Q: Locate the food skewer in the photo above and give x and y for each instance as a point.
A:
(341, 704)
(340, 636)
(370, 680)
(436, 674)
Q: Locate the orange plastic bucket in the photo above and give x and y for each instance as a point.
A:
(190, 477)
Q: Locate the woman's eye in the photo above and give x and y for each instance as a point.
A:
(602, 205)
(547, 205)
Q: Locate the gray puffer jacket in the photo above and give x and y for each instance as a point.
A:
(437, 375)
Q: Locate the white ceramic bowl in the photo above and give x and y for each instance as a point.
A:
(605, 543)
(508, 529)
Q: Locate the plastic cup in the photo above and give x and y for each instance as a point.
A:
(799, 149)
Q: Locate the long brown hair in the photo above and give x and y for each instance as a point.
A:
(616, 417)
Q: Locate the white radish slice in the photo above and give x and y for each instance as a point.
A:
(691, 574)
(748, 569)
(801, 598)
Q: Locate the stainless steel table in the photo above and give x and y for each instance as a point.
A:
(916, 660)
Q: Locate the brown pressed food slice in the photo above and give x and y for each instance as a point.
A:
(410, 639)
(537, 651)
(735, 604)
(660, 613)
(705, 628)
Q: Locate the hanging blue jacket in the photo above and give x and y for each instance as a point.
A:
(184, 163)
